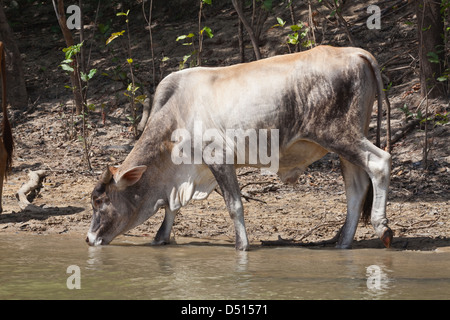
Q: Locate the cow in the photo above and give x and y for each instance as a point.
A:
(319, 100)
(7, 143)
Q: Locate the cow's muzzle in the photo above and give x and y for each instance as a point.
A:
(93, 240)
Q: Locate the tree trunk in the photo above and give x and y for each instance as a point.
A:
(430, 28)
(16, 88)
(250, 31)
(241, 37)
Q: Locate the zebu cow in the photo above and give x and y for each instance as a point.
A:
(320, 101)
(7, 145)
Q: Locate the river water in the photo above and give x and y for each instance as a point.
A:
(64, 267)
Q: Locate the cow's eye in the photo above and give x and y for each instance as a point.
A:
(97, 202)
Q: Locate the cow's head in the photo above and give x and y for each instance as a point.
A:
(116, 202)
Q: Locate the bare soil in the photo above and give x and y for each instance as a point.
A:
(313, 210)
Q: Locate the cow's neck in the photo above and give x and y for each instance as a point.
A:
(175, 184)
(154, 144)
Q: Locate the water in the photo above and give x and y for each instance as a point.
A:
(39, 267)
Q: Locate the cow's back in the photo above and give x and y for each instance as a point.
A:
(295, 92)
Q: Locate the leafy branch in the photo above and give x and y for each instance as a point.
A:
(70, 65)
(131, 88)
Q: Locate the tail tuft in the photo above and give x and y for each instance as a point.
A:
(367, 208)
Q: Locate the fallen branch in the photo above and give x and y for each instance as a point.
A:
(413, 226)
(248, 198)
(244, 195)
(254, 182)
(34, 183)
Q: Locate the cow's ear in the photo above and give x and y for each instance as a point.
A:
(129, 177)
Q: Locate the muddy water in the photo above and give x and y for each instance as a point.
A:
(46, 267)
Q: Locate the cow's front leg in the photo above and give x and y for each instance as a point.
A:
(163, 234)
(226, 179)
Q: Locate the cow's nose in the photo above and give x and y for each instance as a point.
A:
(91, 239)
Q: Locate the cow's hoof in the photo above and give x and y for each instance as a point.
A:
(242, 247)
(386, 238)
(159, 242)
(343, 246)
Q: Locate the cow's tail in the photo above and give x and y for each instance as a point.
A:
(367, 207)
(7, 137)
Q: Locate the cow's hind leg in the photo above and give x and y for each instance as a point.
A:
(226, 179)
(163, 234)
(377, 164)
(357, 183)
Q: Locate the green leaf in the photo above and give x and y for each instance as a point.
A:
(308, 43)
(293, 38)
(419, 115)
(184, 36)
(140, 99)
(442, 78)
(281, 21)
(92, 72)
(207, 1)
(296, 27)
(208, 32)
(185, 59)
(123, 13)
(66, 67)
(103, 28)
(267, 5)
(304, 33)
(114, 36)
(86, 77)
(433, 57)
(122, 75)
(389, 87)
